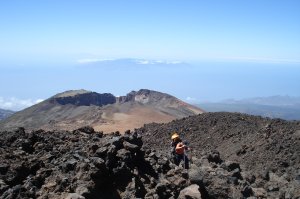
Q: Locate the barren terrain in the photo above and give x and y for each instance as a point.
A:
(104, 112)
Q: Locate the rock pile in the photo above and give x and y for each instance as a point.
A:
(88, 164)
(264, 147)
(81, 164)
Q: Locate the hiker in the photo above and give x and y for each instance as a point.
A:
(178, 151)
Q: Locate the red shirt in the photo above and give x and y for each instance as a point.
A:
(179, 148)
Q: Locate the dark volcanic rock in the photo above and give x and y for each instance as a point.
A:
(59, 167)
(86, 99)
(81, 164)
(69, 165)
(252, 147)
(87, 129)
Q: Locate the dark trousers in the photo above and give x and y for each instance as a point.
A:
(181, 157)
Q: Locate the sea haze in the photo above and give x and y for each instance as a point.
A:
(284, 107)
(200, 81)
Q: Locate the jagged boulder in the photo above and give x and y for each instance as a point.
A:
(190, 192)
(196, 176)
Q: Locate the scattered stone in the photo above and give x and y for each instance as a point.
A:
(190, 192)
(247, 191)
(101, 152)
(232, 180)
(232, 165)
(195, 176)
(3, 168)
(214, 156)
(259, 192)
(130, 147)
(273, 188)
(86, 129)
(74, 196)
(127, 132)
(236, 173)
(265, 174)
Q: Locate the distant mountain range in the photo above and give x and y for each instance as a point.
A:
(5, 113)
(104, 112)
(284, 107)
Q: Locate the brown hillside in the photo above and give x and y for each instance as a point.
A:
(105, 112)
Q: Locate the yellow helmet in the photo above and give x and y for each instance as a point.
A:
(174, 136)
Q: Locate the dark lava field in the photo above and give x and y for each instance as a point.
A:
(232, 156)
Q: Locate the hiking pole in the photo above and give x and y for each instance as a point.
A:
(191, 158)
(186, 158)
(186, 155)
(184, 163)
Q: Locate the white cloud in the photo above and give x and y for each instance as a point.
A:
(143, 62)
(136, 61)
(38, 101)
(174, 62)
(92, 60)
(151, 62)
(190, 99)
(16, 104)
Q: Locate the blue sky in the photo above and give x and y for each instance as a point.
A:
(231, 49)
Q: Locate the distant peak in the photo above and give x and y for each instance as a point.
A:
(144, 96)
(83, 98)
(147, 91)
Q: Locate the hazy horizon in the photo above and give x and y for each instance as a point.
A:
(194, 50)
(188, 82)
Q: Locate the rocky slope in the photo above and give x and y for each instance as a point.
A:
(73, 109)
(234, 156)
(260, 143)
(5, 113)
